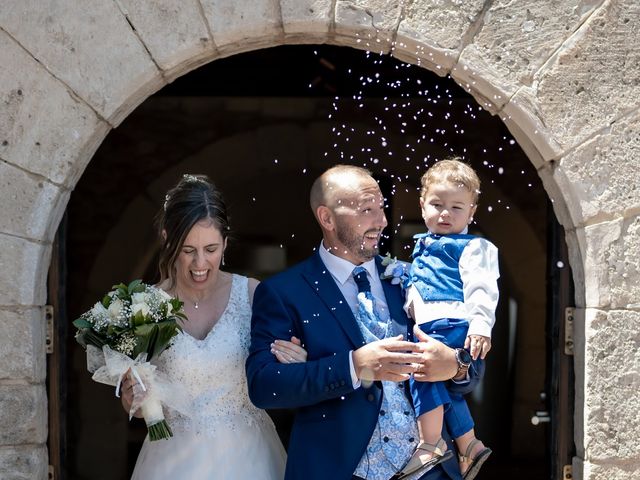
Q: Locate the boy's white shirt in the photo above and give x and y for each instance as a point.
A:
(479, 273)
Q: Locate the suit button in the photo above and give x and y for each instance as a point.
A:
(382, 413)
(326, 389)
(342, 383)
(370, 397)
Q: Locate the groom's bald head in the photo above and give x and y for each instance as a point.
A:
(337, 184)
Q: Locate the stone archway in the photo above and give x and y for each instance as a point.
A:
(563, 78)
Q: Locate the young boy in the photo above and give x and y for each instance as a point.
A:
(452, 295)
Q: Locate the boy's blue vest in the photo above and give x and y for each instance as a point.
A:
(434, 270)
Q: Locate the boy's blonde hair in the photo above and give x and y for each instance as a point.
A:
(452, 171)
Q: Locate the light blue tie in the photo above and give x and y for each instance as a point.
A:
(370, 324)
(396, 434)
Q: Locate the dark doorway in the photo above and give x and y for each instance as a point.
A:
(263, 125)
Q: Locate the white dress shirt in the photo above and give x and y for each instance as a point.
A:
(341, 271)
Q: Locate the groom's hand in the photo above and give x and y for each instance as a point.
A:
(389, 359)
(438, 361)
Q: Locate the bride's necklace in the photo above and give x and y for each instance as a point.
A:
(196, 303)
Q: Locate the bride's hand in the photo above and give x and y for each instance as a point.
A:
(128, 389)
(289, 351)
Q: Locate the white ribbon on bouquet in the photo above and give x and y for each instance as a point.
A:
(155, 389)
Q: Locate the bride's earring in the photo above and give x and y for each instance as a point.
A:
(470, 220)
(222, 263)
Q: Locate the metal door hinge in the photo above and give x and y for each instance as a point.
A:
(567, 472)
(52, 472)
(48, 317)
(569, 315)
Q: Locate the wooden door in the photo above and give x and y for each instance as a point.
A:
(57, 335)
(560, 374)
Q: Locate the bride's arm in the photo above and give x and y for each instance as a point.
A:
(276, 385)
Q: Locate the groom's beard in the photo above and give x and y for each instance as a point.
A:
(355, 243)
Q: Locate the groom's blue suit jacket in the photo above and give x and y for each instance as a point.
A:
(333, 422)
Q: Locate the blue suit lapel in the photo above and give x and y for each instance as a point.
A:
(323, 284)
(395, 303)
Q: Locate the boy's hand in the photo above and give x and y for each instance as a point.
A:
(478, 346)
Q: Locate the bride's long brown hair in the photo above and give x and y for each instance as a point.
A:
(193, 199)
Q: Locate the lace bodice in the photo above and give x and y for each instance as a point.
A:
(212, 371)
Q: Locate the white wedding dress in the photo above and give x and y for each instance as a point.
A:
(225, 437)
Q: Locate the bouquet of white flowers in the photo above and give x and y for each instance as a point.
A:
(126, 329)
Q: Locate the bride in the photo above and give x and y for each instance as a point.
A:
(224, 436)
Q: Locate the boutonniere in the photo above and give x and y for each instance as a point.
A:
(395, 270)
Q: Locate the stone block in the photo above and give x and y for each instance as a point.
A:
(572, 103)
(609, 471)
(306, 18)
(612, 370)
(435, 36)
(242, 25)
(66, 129)
(611, 264)
(575, 246)
(23, 263)
(24, 414)
(24, 462)
(371, 22)
(560, 198)
(32, 207)
(175, 33)
(97, 54)
(23, 347)
(525, 121)
(596, 176)
(512, 44)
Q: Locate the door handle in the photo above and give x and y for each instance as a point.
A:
(541, 416)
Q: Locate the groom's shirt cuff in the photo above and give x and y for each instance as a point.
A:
(354, 378)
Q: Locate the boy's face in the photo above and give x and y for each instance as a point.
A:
(447, 208)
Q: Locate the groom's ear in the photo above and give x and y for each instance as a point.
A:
(325, 218)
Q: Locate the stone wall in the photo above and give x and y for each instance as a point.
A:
(562, 75)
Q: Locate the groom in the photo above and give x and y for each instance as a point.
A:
(354, 418)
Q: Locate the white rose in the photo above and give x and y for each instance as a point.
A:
(164, 295)
(98, 311)
(141, 297)
(140, 307)
(115, 308)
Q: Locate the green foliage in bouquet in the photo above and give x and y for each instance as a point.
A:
(132, 319)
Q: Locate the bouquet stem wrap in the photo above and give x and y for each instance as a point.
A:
(153, 389)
